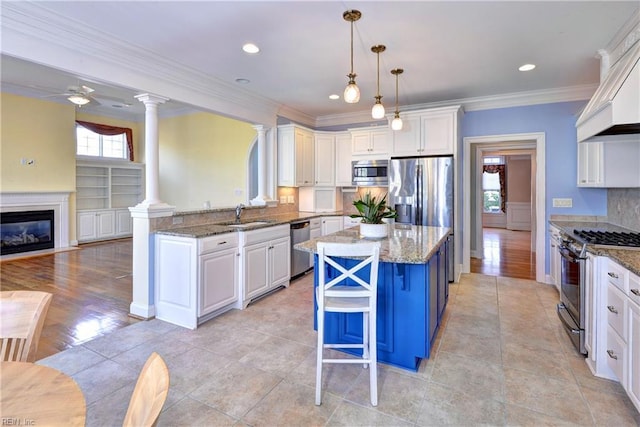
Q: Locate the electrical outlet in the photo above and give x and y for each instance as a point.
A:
(177, 220)
(283, 200)
(237, 192)
(562, 203)
(290, 199)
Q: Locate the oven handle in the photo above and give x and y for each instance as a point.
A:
(568, 254)
(567, 325)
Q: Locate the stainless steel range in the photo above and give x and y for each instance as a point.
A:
(572, 274)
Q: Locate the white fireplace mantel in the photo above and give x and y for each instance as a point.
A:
(35, 201)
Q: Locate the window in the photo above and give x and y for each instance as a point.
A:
(493, 184)
(491, 192)
(94, 144)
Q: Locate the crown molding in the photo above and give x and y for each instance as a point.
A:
(34, 33)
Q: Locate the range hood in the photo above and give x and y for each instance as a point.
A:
(614, 108)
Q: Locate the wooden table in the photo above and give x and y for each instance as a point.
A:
(38, 395)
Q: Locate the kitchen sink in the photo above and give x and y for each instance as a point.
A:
(248, 224)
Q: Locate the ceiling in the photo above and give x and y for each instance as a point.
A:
(450, 50)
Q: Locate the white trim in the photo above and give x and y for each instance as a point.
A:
(509, 141)
(58, 201)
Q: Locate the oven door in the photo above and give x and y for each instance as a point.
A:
(570, 309)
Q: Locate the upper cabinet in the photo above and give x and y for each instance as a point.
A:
(295, 156)
(343, 159)
(611, 164)
(427, 132)
(372, 141)
(325, 159)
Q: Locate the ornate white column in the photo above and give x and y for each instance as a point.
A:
(151, 207)
(262, 197)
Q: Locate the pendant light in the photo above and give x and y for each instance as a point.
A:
(352, 92)
(377, 112)
(396, 124)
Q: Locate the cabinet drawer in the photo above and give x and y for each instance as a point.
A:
(217, 243)
(617, 310)
(315, 222)
(616, 354)
(264, 234)
(634, 288)
(617, 276)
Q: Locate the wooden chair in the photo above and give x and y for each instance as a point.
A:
(22, 315)
(149, 395)
(348, 293)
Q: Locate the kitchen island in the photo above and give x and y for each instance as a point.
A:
(412, 292)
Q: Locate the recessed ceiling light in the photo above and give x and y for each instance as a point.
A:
(334, 96)
(527, 67)
(243, 81)
(250, 48)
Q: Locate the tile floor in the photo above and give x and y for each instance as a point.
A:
(500, 359)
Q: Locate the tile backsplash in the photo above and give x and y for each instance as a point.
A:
(623, 207)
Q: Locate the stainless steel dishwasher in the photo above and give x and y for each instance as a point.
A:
(300, 232)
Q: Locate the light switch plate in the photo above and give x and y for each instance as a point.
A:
(562, 203)
(290, 199)
(283, 200)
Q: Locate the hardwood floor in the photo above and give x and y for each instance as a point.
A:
(91, 287)
(506, 253)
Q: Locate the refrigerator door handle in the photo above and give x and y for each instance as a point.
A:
(419, 195)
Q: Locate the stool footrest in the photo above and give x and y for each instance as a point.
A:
(343, 346)
(346, 361)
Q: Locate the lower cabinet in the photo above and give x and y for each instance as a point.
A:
(195, 279)
(265, 261)
(315, 231)
(331, 224)
(633, 385)
(103, 224)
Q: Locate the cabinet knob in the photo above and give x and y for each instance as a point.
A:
(612, 354)
(612, 309)
(636, 291)
(614, 275)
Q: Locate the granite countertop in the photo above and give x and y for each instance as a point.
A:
(206, 230)
(405, 244)
(628, 258)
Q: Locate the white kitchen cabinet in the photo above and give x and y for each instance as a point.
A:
(124, 222)
(325, 159)
(265, 261)
(343, 159)
(319, 199)
(427, 132)
(407, 141)
(219, 278)
(590, 309)
(332, 224)
(554, 256)
(610, 164)
(195, 279)
(372, 142)
(438, 132)
(295, 156)
(315, 231)
(633, 384)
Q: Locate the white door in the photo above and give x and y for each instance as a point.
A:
(280, 256)
(255, 258)
(218, 280)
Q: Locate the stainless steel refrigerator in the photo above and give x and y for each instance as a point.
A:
(421, 191)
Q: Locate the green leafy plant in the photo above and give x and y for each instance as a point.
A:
(372, 210)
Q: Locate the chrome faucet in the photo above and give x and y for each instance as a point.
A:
(239, 211)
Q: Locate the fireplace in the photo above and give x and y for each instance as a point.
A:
(26, 231)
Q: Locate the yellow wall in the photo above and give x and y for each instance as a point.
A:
(203, 157)
(44, 132)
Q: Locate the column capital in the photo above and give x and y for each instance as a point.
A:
(148, 98)
(259, 128)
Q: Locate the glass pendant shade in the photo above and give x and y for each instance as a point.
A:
(396, 124)
(377, 112)
(79, 99)
(352, 93)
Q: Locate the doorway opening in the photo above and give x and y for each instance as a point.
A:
(520, 146)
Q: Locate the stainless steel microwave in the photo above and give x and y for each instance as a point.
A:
(372, 173)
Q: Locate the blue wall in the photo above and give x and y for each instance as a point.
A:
(558, 122)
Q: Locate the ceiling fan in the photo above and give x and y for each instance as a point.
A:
(78, 95)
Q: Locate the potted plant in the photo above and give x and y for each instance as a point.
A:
(372, 211)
